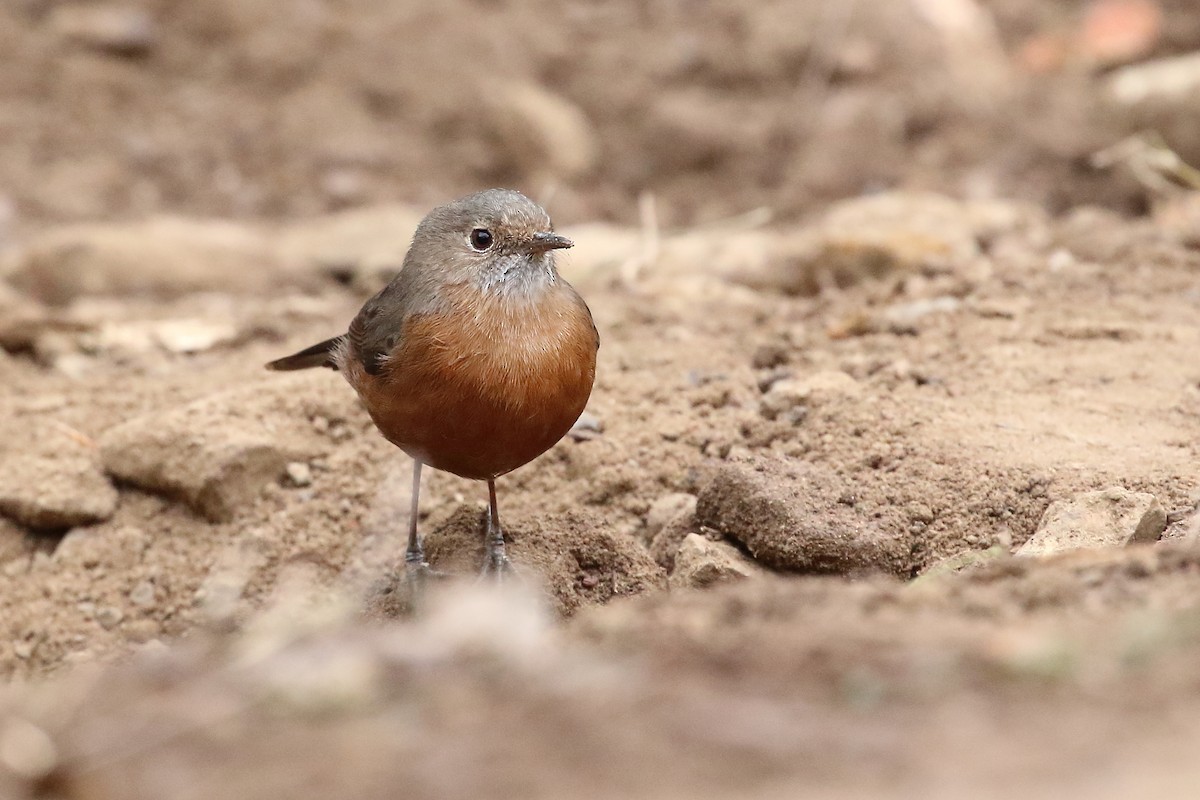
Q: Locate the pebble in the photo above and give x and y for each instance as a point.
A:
(666, 508)
(109, 617)
(701, 562)
(22, 649)
(143, 595)
(1113, 517)
(298, 473)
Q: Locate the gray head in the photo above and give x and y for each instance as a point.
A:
(499, 240)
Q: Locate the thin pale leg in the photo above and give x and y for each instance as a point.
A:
(414, 555)
(495, 562)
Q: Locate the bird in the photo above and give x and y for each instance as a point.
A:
(476, 358)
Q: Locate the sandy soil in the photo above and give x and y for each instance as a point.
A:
(867, 310)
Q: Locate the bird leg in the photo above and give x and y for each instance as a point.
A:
(415, 564)
(495, 561)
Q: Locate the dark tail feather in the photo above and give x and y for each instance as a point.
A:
(319, 355)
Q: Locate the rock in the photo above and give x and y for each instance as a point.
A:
(299, 473)
(1112, 517)
(218, 452)
(670, 519)
(791, 516)
(665, 509)
(665, 543)
(109, 617)
(112, 29)
(143, 595)
(54, 493)
(162, 256)
(785, 396)
(702, 562)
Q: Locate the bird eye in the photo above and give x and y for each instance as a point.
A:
(481, 239)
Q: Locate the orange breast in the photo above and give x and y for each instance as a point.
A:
(488, 385)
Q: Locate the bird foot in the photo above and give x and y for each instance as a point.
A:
(412, 585)
(496, 566)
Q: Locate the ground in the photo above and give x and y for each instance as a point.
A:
(868, 308)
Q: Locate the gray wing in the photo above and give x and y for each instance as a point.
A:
(379, 325)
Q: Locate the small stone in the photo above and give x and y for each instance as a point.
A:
(109, 617)
(299, 473)
(664, 544)
(23, 649)
(1112, 517)
(54, 493)
(701, 562)
(143, 595)
(666, 508)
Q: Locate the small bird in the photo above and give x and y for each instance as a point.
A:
(477, 357)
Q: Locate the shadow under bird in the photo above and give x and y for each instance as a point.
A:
(477, 357)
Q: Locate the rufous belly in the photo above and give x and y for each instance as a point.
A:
(486, 386)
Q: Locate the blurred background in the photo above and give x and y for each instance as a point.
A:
(264, 109)
(898, 309)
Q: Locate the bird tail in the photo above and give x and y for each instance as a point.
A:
(319, 355)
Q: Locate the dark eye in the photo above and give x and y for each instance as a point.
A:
(481, 238)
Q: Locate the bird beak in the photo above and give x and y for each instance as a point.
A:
(549, 241)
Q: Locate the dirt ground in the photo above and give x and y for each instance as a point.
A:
(869, 307)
